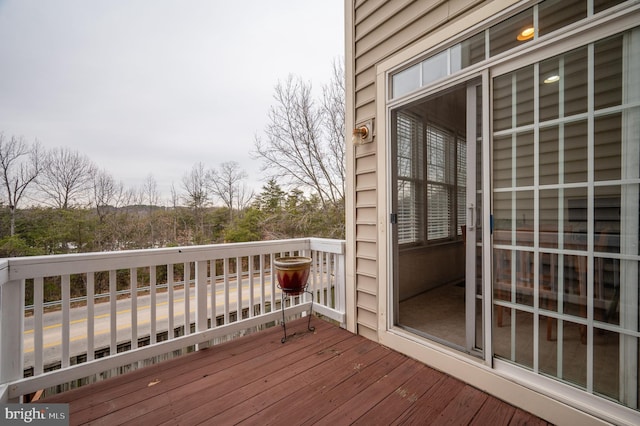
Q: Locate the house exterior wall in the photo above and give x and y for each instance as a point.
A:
(376, 30)
(382, 36)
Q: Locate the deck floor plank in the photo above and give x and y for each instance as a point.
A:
(328, 376)
(204, 376)
(288, 393)
(432, 402)
(110, 389)
(192, 367)
(211, 397)
(494, 412)
(463, 408)
(402, 398)
(348, 407)
(325, 395)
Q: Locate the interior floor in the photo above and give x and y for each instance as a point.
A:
(438, 313)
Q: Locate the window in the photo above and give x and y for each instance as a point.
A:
(431, 187)
(540, 20)
(410, 178)
(446, 191)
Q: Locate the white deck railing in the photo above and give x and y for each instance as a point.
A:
(223, 301)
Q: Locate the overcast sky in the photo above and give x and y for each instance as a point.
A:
(154, 86)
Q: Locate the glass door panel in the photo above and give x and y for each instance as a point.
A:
(437, 145)
(566, 190)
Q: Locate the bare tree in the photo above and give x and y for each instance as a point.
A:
(226, 184)
(66, 177)
(174, 203)
(245, 197)
(108, 196)
(181, 230)
(150, 192)
(305, 142)
(194, 184)
(106, 193)
(196, 193)
(333, 107)
(175, 198)
(20, 166)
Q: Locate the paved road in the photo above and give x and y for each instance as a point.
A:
(52, 322)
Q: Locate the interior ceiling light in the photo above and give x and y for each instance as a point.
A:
(552, 79)
(526, 34)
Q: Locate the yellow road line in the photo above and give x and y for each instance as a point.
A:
(123, 327)
(50, 327)
(84, 336)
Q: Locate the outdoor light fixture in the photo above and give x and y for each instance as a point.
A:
(526, 34)
(552, 79)
(363, 133)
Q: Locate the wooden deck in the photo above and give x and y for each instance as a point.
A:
(329, 377)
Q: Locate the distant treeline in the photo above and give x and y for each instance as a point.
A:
(273, 214)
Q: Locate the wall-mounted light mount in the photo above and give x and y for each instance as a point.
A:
(363, 133)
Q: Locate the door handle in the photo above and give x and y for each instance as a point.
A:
(472, 212)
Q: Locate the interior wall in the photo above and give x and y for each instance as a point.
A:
(424, 268)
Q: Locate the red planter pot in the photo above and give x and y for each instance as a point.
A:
(292, 273)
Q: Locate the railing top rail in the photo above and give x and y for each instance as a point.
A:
(327, 245)
(51, 265)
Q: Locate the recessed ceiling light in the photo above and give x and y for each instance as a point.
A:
(552, 79)
(526, 34)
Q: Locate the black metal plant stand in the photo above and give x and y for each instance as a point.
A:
(292, 273)
(288, 295)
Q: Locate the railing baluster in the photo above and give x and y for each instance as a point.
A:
(170, 323)
(315, 284)
(328, 281)
(322, 290)
(238, 288)
(66, 307)
(330, 274)
(321, 277)
(152, 304)
(263, 300)
(332, 283)
(272, 274)
(226, 289)
(326, 274)
(38, 295)
(113, 325)
(214, 287)
(340, 284)
(250, 261)
(133, 285)
(187, 297)
(201, 298)
(90, 315)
